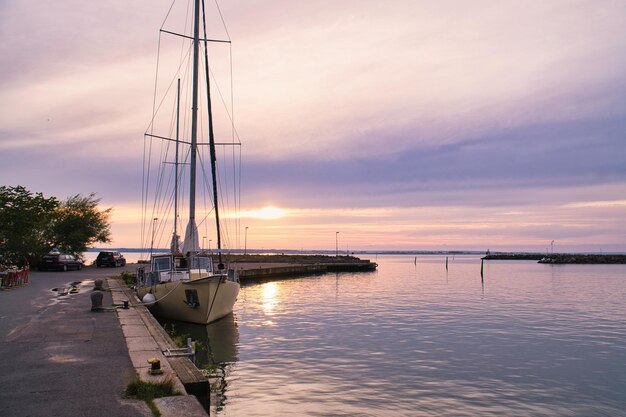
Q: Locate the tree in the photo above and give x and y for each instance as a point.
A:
(31, 225)
(78, 224)
(24, 220)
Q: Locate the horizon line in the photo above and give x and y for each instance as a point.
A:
(364, 251)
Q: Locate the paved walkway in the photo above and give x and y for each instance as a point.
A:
(57, 357)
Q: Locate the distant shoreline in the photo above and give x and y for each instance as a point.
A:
(499, 254)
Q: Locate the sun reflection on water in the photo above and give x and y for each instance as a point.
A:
(269, 295)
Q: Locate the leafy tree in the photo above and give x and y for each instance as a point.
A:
(78, 224)
(31, 225)
(24, 220)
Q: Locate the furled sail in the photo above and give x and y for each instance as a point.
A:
(190, 244)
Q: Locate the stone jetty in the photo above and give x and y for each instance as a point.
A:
(251, 267)
(567, 258)
(560, 258)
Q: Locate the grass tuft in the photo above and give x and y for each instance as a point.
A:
(148, 391)
(128, 278)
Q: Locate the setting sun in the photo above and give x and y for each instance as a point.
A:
(265, 213)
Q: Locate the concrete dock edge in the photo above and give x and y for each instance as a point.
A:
(145, 339)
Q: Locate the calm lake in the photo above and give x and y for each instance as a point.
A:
(417, 340)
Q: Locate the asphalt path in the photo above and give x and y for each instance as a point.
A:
(58, 358)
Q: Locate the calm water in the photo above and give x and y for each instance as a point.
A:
(413, 340)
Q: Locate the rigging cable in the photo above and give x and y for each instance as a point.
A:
(212, 145)
(234, 133)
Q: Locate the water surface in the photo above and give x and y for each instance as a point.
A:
(413, 339)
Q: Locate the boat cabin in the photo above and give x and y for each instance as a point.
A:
(170, 267)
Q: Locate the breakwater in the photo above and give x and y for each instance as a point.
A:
(250, 267)
(565, 258)
(513, 256)
(560, 258)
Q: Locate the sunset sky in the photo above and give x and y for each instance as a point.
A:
(402, 125)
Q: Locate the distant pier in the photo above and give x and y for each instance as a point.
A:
(251, 267)
(513, 256)
(560, 258)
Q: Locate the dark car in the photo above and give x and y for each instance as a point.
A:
(59, 262)
(110, 258)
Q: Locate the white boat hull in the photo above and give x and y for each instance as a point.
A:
(175, 300)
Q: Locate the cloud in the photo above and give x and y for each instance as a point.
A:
(598, 204)
(429, 119)
(548, 156)
(450, 70)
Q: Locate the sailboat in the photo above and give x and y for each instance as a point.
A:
(184, 284)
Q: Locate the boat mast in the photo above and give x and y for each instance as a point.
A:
(174, 245)
(194, 129)
(192, 231)
(220, 264)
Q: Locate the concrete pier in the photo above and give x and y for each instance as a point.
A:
(60, 358)
(254, 267)
(560, 258)
(146, 339)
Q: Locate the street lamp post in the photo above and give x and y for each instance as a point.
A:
(203, 243)
(336, 243)
(210, 245)
(245, 244)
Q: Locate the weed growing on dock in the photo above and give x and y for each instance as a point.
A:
(128, 278)
(181, 339)
(148, 391)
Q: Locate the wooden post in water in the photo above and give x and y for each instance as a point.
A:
(415, 261)
(446, 263)
(482, 262)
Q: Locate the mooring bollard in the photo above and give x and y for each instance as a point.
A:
(155, 366)
(98, 285)
(96, 301)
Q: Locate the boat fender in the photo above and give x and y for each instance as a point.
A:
(148, 299)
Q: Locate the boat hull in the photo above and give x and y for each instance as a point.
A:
(197, 301)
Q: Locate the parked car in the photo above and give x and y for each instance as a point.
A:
(110, 258)
(60, 262)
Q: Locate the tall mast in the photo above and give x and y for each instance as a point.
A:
(174, 245)
(194, 127)
(213, 156)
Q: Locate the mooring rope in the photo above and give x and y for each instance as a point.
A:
(162, 298)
